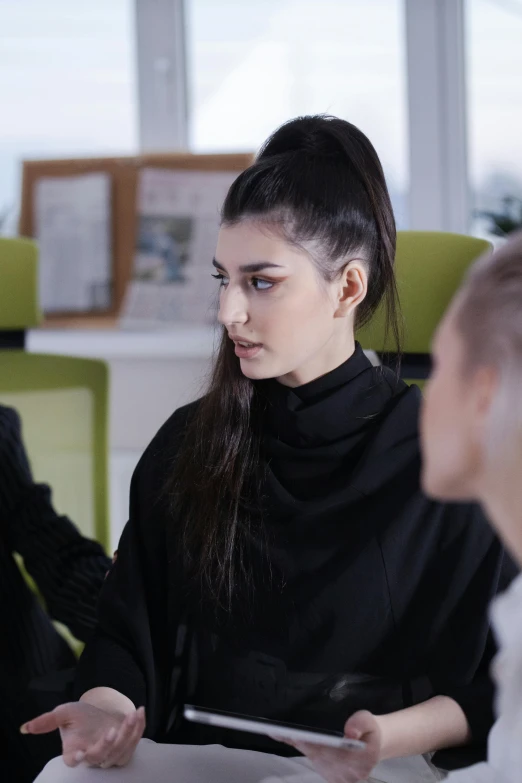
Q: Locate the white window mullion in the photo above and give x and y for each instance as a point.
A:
(162, 83)
(436, 98)
(437, 115)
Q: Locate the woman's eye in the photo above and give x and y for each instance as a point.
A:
(223, 281)
(261, 285)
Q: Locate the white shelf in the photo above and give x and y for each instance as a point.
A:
(178, 343)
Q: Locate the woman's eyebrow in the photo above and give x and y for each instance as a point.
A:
(257, 266)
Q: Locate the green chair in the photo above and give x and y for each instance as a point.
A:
(63, 401)
(63, 405)
(19, 307)
(430, 266)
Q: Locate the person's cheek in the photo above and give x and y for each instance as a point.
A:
(433, 435)
(426, 418)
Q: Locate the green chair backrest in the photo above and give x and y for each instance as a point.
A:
(18, 284)
(430, 266)
(63, 403)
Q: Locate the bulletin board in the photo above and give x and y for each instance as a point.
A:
(123, 173)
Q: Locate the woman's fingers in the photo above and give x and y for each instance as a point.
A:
(308, 749)
(49, 721)
(361, 723)
(62, 716)
(101, 749)
(73, 757)
(123, 742)
(133, 740)
(119, 743)
(338, 765)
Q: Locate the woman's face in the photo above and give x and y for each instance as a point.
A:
(286, 322)
(453, 421)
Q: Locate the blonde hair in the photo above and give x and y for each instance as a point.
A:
(488, 316)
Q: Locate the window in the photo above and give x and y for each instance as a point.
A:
(251, 66)
(67, 84)
(494, 65)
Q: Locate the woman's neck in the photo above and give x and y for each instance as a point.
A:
(501, 497)
(331, 356)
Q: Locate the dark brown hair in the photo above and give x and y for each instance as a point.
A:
(319, 183)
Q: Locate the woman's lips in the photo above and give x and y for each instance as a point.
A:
(246, 350)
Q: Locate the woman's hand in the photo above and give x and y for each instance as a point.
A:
(98, 737)
(348, 766)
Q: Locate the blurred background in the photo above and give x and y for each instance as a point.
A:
(435, 84)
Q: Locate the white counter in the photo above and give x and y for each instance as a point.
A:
(180, 343)
(151, 374)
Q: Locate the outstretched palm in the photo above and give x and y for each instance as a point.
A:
(99, 737)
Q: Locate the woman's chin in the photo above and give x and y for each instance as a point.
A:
(443, 486)
(255, 370)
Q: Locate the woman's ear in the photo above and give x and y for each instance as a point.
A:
(484, 388)
(352, 288)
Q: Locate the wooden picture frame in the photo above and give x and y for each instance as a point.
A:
(123, 172)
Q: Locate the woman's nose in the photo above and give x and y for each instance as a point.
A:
(232, 307)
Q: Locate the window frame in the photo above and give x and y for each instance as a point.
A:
(436, 88)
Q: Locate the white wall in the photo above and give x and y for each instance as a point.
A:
(144, 393)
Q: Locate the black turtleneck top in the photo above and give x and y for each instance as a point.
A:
(378, 597)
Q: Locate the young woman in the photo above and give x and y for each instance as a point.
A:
(472, 445)
(281, 559)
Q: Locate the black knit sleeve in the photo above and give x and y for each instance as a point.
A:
(68, 569)
(471, 567)
(120, 653)
(15, 472)
(129, 650)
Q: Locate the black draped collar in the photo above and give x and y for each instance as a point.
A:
(314, 435)
(328, 409)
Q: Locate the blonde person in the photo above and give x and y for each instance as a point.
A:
(472, 446)
(473, 451)
(280, 558)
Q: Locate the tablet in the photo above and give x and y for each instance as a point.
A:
(274, 729)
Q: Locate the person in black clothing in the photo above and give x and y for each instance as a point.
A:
(280, 559)
(68, 569)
